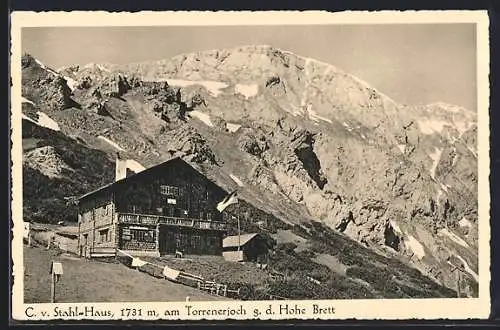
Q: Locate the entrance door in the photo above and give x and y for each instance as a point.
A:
(167, 240)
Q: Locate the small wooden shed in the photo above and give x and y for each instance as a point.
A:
(245, 247)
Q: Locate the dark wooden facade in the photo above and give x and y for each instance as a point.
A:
(160, 210)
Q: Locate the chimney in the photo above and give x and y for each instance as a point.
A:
(120, 168)
(123, 168)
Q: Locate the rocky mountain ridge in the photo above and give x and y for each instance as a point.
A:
(299, 139)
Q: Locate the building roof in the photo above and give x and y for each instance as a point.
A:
(68, 230)
(232, 241)
(112, 185)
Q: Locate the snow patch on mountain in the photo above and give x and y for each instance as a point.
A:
(435, 156)
(346, 125)
(43, 121)
(231, 127)
(462, 126)
(205, 118)
(314, 115)
(395, 226)
(71, 83)
(428, 126)
(467, 268)
(415, 246)
(25, 100)
(23, 116)
(402, 148)
(439, 195)
(465, 223)
(474, 152)
(115, 145)
(246, 90)
(100, 67)
(213, 87)
(297, 111)
(236, 179)
(431, 126)
(90, 66)
(47, 122)
(454, 237)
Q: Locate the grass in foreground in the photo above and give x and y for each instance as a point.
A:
(94, 281)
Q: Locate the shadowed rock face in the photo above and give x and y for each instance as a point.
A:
(44, 86)
(313, 143)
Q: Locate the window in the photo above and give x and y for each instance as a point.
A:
(142, 235)
(138, 235)
(212, 241)
(209, 216)
(104, 235)
(185, 238)
(196, 242)
(170, 190)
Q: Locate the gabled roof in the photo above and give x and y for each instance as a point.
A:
(112, 185)
(232, 241)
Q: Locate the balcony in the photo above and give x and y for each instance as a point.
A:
(146, 219)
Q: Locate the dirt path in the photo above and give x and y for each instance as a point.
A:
(94, 281)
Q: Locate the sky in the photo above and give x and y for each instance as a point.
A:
(411, 63)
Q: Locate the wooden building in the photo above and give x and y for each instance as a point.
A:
(245, 247)
(160, 210)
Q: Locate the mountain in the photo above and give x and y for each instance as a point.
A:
(310, 148)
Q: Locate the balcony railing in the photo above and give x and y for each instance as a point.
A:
(147, 219)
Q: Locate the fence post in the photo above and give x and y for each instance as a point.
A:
(53, 288)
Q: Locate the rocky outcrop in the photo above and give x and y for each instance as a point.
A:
(303, 146)
(47, 161)
(116, 85)
(253, 142)
(185, 141)
(58, 94)
(262, 176)
(165, 101)
(276, 87)
(44, 86)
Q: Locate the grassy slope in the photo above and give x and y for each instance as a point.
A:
(93, 281)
